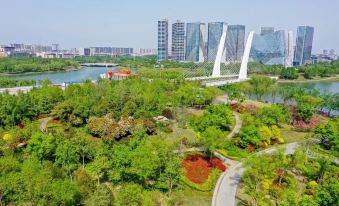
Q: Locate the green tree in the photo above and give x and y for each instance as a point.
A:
(130, 195)
(260, 85)
(273, 115)
(289, 73)
(306, 106)
(102, 196)
(42, 146)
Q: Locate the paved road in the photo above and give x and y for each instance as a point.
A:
(16, 90)
(226, 188)
(25, 89)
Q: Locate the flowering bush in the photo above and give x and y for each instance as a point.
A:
(250, 148)
(217, 163)
(198, 167)
(250, 108)
(238, 107)
(56, 121)
(303, 126)
(21, 125)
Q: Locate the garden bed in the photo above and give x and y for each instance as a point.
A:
(200, 172)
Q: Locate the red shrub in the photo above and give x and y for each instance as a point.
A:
(250, 148)
(21, 126)
(251, 108)
(198, 167)
(301, 125)
(238, 107)
(217, 163)
(56, 121)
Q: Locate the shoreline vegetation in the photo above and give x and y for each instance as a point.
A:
(321, 79)
(14, 66)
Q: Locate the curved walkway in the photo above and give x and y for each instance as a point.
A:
(237, 126)
(226, 188)
(43, 124)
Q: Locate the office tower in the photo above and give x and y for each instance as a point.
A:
(162, 40)
(267, 30)
(178, 41)
(272, 49)
(196, 42)
(303, 50)
(289, 48)
(215, 31)
(235, 43)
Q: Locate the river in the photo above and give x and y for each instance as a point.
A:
(331, 87)
(93, 73)
(86, 73)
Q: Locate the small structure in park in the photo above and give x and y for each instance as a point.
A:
(121, 74)
(118, 75)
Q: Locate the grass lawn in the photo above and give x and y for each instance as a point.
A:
(293, 136)
(256, 103)
(190, 197)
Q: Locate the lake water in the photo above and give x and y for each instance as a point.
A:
(332, 87)
(93, 73)
(86, 73)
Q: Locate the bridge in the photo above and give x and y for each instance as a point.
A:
(99, 65)
(222, 71)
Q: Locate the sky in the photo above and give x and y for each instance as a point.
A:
(133, 23)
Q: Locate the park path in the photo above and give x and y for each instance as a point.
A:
(238, 122)
(43, 124)
(237, 126)
(226, 187)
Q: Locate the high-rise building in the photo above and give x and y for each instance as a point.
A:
(162, 40)
(289, 48)
(196, 42)
(267, 30)
(235, 43)
(303, 50)
(215, 31)
(273, 49)
(178, 41)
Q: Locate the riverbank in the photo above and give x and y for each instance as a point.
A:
(66, 69)
(327, 79)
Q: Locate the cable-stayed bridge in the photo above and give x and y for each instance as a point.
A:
(222, 71)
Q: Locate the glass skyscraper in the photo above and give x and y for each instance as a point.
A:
(235, 43)
(267, 30)
(196, 42)
(303, 50)
(178, 41)
(270, 49)
(162, 40)
(215, 31)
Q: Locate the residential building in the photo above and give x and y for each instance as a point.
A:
(147, 52)
(267, 30)
(304, 42)
(196, 42)
(178, 41)
(235, 43)
(162, 40)
(215, 31)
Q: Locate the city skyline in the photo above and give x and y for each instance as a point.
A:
(82, 25)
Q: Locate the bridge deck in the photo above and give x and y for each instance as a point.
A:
(210, 77)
